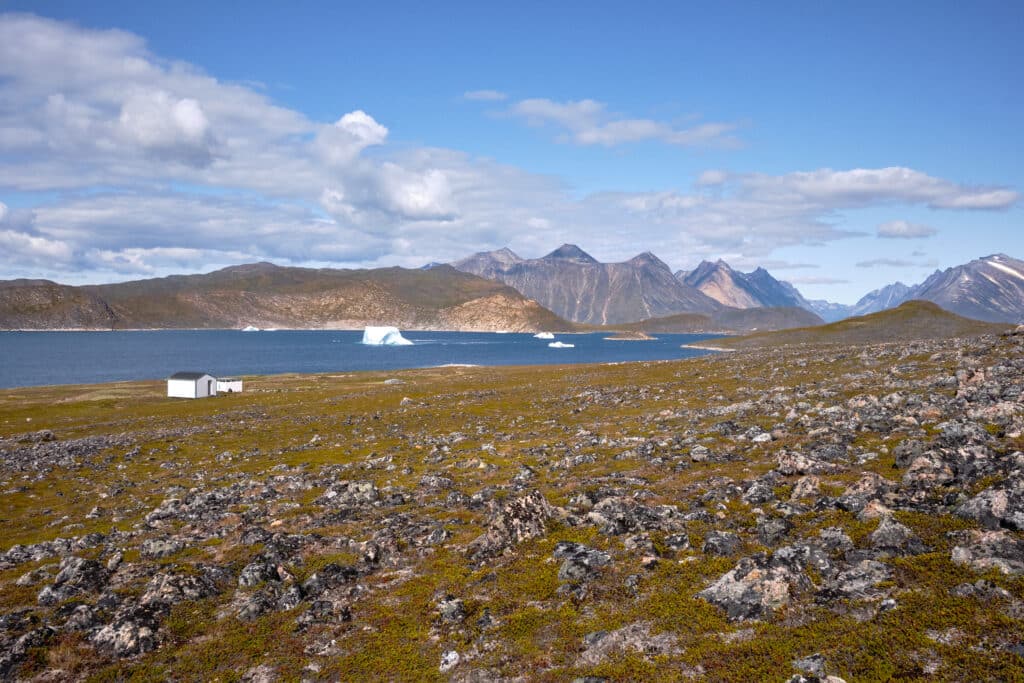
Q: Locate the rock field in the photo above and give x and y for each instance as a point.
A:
(794, 514)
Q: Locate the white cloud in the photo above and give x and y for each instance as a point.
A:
(169, 127)
(484, 95)
(905, 230)
(864, 186)
(342, 142)
(587, 122)
(83, 111)
(19, 249)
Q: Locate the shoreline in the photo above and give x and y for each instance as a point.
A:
(698, 347)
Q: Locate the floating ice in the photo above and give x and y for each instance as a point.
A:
(384, 336)
(561, 345)
(250, 328)
(543, 335)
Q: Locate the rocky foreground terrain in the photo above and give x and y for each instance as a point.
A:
(801, 513)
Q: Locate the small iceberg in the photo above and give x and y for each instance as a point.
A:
(250, 328)
(384, 336)
(543, 335)
(561, 345)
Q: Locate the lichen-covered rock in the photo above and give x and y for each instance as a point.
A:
(860, 582)
(634, 638)
(616, 515)
(893, 539)
(998, 506)
(580, 562)
(757, 586)
(155, 548)
(172, 588)
(77, 576)
(518, 519)
(982, 550)
(791, 462)
(133, 631)
(350, 494)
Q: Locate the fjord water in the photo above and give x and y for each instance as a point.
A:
(44, 358)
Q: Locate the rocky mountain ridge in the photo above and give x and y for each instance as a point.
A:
(577, 287)
(989, 288)
(730, 287)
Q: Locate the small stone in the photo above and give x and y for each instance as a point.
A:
(449, 660)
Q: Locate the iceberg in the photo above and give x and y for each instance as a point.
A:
(384, 336)
(543, 335)
(561, 345)
(250, 328)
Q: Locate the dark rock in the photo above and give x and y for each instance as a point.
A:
(616, 515)
(452, 610)
(77, 577)
(580, 562)
(677, 542)
(998, 506)
(721, 543)
(327, 577)
(771, 530)
(892, 539)
(16, 652)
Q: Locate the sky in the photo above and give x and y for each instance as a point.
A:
(842, 146)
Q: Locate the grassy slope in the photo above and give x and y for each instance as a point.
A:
(912, 320)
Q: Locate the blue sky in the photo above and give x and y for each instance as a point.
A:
(782, 134)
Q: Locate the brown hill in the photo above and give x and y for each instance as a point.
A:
(266, 295)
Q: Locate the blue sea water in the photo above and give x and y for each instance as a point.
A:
(44, 358)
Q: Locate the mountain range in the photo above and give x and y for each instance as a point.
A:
(565, 290)
(577, 287)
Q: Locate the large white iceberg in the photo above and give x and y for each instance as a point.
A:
(384, 336)
(543, 335)
(561, 345)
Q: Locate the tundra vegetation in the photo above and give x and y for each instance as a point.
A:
(798, 512)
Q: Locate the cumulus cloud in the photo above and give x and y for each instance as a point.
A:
(21, 248)
(342, 142)
(588, 122)
(905, 230)
(169, 127)
(484, 95)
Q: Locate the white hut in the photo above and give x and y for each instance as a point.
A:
(229, 385)
(191, 385)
